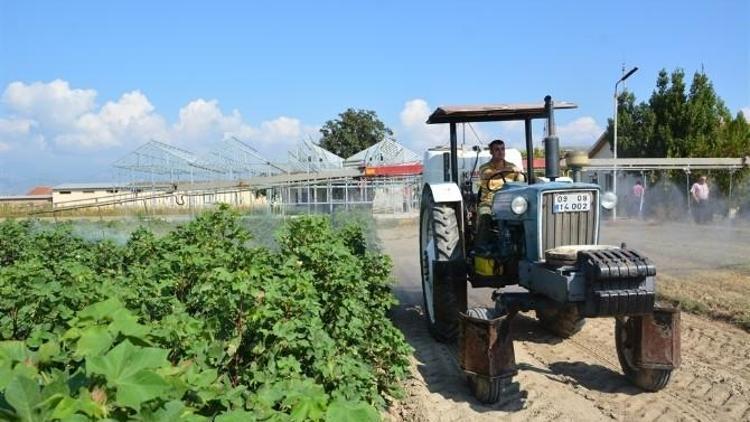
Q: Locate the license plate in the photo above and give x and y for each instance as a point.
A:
(571, 202)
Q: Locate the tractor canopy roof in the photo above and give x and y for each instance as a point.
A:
(492, 112)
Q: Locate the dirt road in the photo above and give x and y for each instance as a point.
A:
(580, 378)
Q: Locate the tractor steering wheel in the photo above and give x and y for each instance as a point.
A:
(502, 173)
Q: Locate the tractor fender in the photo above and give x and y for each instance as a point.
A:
(445, 192)
(448, 193)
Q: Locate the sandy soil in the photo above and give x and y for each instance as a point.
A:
(580, 378)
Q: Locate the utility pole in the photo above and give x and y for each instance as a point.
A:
(614, 170)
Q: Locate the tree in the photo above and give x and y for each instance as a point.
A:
(705, 115)
(674, 123)
(734, 141)
(668, 103)
(635, 124)
(352, 132)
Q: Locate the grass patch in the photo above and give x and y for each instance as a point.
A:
(720, 294)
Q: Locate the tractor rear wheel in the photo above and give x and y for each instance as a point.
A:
(563, 322)
(645, 378)
(444, 291)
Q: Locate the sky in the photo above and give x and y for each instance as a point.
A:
(83, 83)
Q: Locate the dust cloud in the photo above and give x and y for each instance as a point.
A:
(663, 224)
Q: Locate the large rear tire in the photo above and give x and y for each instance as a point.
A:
(645, 378)
(563, 322)
(440, 241)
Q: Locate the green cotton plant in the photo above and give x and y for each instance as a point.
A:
(112, 376)
(14, 238)
(199, 323)
(350, 290)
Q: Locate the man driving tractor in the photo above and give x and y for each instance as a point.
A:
(492, 176)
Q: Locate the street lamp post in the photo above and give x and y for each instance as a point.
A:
(614, 170)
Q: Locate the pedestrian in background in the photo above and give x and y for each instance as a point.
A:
(700, 192)
(637, 199)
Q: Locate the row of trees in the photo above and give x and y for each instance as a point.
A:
(676, 123)
(681, 122)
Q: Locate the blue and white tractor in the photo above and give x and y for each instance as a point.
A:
(543, 256)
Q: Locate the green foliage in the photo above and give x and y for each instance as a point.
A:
(197, 324)
(353, 131)
(676, 123)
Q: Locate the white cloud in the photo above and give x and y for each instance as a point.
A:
(418, 134)
(280, 128)
(53, 104)
(746, 112)
(202, 121)
(581, 131)
(127, 121)
(15, 127)
(17, 130)
(70, 120)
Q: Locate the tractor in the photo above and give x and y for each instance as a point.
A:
(543, 256)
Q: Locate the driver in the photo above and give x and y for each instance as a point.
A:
(488, 185)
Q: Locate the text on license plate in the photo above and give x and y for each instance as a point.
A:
(571, 202)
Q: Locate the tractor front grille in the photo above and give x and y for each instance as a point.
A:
(567, 228)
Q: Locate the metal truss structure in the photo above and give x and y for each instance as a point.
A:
(385, 152)
(308, 157)
(238, 160)
(313, 180)
(157, 162)
(383, 195)
(234, 160)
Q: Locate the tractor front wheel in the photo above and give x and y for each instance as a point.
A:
(645, 378)
(491, 390)
(443, 290)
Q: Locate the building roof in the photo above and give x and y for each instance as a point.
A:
(25, 198)
(91, 186)
(40, 190)
(599, 144)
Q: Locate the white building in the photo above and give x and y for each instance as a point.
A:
(109, 195)
(602, 148)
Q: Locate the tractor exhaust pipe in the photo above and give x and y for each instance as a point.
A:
(551, 143)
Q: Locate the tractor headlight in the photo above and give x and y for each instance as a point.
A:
(519, 205)
(609, 200)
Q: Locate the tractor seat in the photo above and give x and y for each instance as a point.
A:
(568, 254)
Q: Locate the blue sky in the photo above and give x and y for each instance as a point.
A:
(83, 83)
